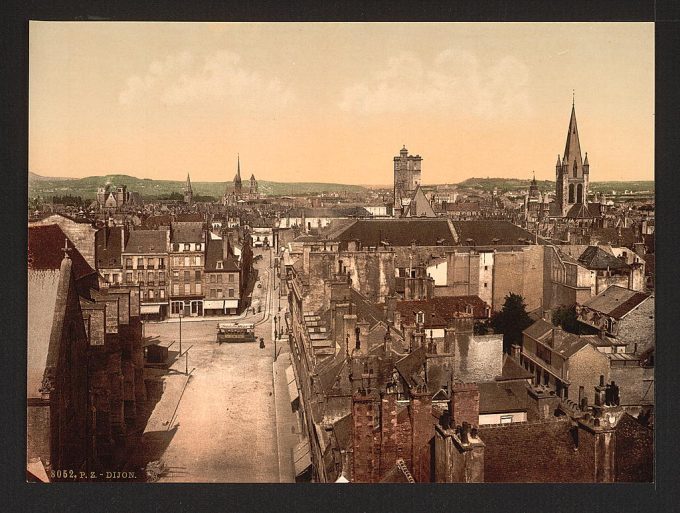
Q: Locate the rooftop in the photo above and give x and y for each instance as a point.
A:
(616, 301)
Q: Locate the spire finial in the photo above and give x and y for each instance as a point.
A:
(573, 97)
(66, 249)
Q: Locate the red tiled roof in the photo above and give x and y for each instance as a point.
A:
(439, 311)
(46, 251)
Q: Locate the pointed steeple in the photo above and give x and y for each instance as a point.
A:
(237, 178)
(572, 148)
(188, 186)
(585, 162)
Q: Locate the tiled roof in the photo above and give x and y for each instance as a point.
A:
(579, 211)
(513, 370)
(45, 251)
(187, 232)
(595, 258)
(109, 247)
(616, 301)
(615, 236)
(501, 397)
(153, 222)
(147, 241)
(365, 310)
(189, 218)
(410, 366)
(538, 329)
(492, 232)
(398, 232)
(440, 311)
(214, 254)
(463, 206)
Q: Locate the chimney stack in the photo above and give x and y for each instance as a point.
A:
(464, 404)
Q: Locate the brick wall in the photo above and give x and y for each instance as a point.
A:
(423, 432)
(537, 452)
(365, 439)
(465, 404)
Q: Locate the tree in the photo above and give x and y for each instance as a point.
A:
(511, 320)
(565, 316)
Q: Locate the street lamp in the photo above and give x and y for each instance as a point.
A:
(180, 330)
(275, 329)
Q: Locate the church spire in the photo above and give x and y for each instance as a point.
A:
(572, 148)
(237, 178)
(188, 182)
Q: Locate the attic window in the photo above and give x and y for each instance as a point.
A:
(219, 264)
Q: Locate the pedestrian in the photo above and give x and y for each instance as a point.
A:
(261, 343)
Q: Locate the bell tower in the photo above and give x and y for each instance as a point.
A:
(572, 173)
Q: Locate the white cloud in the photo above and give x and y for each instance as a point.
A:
(183, 79)
(454, 81)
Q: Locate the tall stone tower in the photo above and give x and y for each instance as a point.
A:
(237, 179)
(572, 172)
(406, 176)
(188, 192)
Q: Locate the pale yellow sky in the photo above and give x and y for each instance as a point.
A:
(334, 102)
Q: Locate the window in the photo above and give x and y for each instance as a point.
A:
(107, 277)
(151, 293)
(197, 260)
(199, 288)
(175, 274)
(420, 318)
(506, 419)
(140, 263)
(197, 246)
(212, 278)
(118, 277)
(187, 247)
(219, 278)
(231, 278)
(219, 292)
(140, 276)
(187, 275)
(212, 293)
(128, 263)
(176, 307)
(175, 289)
(198, 275)
(161, 277)
(218, 265)
(175, 247)
(128, 277)
(161, 293)
(187, 261)
(486, 267)
(151, 277)
(151, 263)
(161, 263)
(187, 289)
(231, 292)
(486, 285)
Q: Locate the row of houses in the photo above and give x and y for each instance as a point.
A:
(180, 267)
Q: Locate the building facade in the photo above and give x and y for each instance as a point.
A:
(187, 259)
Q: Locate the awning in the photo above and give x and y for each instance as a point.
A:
(301, 457)
(292, 384)
(219, 304)
(150, 309)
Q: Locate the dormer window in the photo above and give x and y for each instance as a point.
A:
(219, 265)
(420, 317)
(187, 247)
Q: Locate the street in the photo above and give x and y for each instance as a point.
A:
(219, 424)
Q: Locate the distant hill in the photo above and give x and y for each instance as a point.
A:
(511, 184)
(87, 187)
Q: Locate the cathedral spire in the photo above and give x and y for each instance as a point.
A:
(188, 182)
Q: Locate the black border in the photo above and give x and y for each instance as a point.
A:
(21, 496)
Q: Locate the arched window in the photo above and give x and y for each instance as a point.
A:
(579, 193)
(571, 193)
(575, 169)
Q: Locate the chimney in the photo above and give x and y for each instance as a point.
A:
(600, 391)
(391, 302)
(581, 395)
(515, 351)
(464, 404)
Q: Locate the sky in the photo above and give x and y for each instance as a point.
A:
(335, 102)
